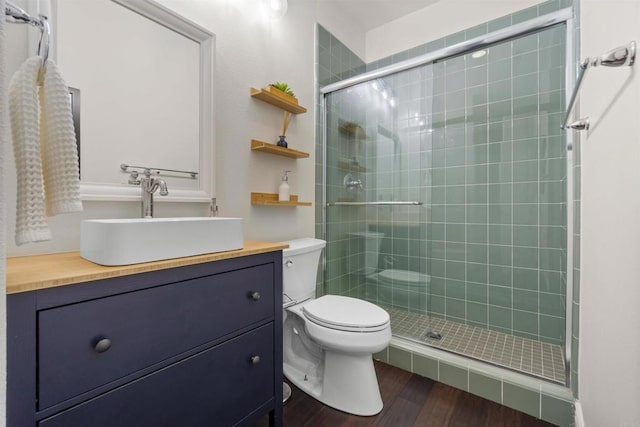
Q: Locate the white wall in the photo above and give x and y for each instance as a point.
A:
(251, 51)
(433, 22)
(609, 366)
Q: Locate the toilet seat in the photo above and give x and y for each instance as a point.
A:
(346, 314)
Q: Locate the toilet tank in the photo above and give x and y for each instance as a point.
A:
(300, 268)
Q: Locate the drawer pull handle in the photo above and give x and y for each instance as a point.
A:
(103, 345)
(255, 295)
(255, 360)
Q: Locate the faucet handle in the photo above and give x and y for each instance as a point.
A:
(164, 191)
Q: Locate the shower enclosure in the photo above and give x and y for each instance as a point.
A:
(445, 196)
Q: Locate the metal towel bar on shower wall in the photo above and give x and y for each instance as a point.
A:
(622, 55)
(389, 203)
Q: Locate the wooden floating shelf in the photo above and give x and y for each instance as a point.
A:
(271, 199)
(269, 98)
(265, 147)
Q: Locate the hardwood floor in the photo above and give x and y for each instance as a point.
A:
(410, 400)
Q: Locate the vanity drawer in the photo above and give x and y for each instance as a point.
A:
(144, 327)
(217, 387)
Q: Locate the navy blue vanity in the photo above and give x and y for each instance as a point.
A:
(196, 345)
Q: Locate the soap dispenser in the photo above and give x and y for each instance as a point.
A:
(283, 193)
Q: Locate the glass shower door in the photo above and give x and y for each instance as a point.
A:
(478, 265)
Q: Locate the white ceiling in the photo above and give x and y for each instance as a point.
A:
(369, 14)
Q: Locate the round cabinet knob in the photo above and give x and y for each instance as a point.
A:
(255, 295)
(255, 360)
(102, 345)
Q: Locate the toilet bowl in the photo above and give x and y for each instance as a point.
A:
(329, 341)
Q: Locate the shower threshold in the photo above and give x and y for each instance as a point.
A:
(531, 357)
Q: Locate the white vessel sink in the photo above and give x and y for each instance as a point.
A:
(136, 240)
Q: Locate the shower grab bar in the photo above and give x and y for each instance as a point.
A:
(618, 57)
(389, 203)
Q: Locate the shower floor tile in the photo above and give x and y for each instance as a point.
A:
(525, 355)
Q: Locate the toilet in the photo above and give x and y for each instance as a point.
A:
(329, 341)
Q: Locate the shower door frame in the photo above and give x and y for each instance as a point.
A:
(563, 16)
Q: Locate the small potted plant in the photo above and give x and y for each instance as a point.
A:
(282, 91)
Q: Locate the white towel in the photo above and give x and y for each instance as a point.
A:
(59, 149)
(42, 145)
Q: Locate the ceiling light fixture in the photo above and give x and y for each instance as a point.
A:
(276, 8)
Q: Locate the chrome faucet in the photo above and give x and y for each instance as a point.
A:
(149, 185)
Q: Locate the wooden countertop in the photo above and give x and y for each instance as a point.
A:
(30, 273)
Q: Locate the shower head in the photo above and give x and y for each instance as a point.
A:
(618, 57)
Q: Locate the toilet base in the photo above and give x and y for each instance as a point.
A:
(349, 383)
(310, 385)
(286, 393)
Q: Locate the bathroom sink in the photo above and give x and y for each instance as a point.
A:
(136, 240)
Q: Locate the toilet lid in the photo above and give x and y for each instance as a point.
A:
(346, 314)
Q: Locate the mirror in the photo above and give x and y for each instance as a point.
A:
(145, 76)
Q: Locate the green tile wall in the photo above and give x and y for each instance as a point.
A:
(493, 181)
(488, 162)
